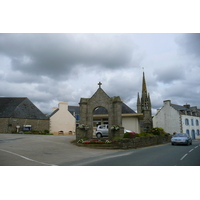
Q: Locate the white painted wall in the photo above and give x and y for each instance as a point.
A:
(131, 123)
(167, 118)
(62, 120)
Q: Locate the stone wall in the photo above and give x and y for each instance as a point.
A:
(8, 125)
(131, 143)
(138, 142)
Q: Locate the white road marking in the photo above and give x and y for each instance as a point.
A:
(196, 147)
(184, 156)
(103, 158)
(191, 150)
(26, 157)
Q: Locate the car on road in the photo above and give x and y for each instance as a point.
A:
(102, 131)
(181, 138)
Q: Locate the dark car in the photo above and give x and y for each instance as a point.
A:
(181, 138)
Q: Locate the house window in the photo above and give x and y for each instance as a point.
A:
(197, 122)
(188, 132)
(197, 131)
(192, 122)
(186, 122)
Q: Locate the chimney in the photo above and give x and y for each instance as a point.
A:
(187, 106)
(167, 102)
(63, 106)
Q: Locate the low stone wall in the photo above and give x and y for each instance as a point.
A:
(138, 142)
(131, 143)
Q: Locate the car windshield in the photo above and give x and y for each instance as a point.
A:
(180, 135)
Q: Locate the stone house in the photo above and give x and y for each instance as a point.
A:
(19, 113)
(62, 121)
(181, 119)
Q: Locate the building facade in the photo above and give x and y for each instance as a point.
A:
(181, 119)
(62, 121)
(20, 114)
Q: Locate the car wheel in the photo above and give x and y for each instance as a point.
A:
(172, 143)
(191, 143)
(98, 135)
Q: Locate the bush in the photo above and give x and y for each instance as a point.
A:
(145, 134)
(130, 135)
(156, 131)
(117, 138)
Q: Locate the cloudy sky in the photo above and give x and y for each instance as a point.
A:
(52, 68)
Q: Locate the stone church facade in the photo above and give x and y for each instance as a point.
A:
(113, 105)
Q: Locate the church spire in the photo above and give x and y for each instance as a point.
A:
(144, 87)
(138, 104)
(144, 106)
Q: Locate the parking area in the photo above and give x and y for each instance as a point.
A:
(43, 150)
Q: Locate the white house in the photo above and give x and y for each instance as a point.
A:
(181, 119)
(61, 120)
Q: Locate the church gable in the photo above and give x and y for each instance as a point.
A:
(100, 97)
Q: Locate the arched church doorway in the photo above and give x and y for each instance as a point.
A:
(88, 106)
(100, 117)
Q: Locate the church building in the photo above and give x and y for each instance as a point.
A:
(144, 107)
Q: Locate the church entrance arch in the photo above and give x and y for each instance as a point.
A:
(113, 105)
(100, 117)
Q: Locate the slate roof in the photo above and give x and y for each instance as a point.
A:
(19, 107)
(101, 110)
(73, 109)
(182, 109)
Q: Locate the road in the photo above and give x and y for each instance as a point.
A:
(42, 150)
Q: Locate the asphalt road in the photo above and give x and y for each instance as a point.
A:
(161, 155)
(42, 150)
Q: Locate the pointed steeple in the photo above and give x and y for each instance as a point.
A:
(138, 104)
(144, 106)
(144, 87)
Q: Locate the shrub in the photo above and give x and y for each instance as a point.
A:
(46, 131)
(144, 134)
(117, 138)
(156, 131)
(129, 135)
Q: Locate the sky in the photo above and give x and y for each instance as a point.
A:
(49, 68)
(58, 51)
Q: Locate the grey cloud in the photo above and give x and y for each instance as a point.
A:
(190, 44)
(57, 55)
(170, 74)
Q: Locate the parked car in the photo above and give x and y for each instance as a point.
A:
(102, 131)
(181, 138)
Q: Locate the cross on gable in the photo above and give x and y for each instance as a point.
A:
(99, 84)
